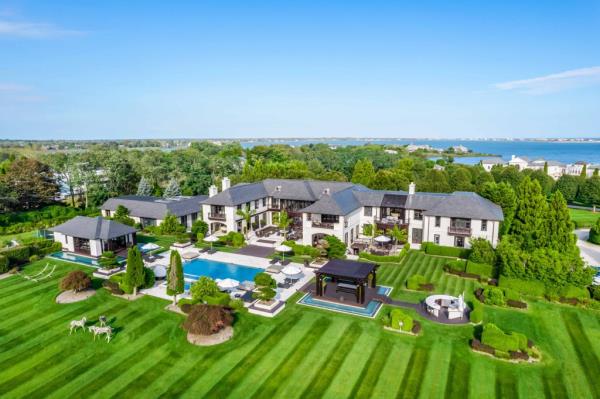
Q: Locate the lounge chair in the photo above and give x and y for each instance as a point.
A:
(274, 261)
(212, 251)
(285, 262)
(274, 269)
(204, 250)
(248, 285)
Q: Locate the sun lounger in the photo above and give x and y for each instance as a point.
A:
(274, 261)
(212, 251)
(285, 262)
(274, 269)
(204, 250)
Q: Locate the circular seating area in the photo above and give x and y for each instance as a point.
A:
(446, 306)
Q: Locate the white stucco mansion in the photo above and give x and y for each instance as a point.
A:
(342, 209)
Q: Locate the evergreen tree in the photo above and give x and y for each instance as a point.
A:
(175, 282)
(364, 172)
(134, 275)
(595, 174)
(546, 167)
(530, 215)
(583, 171)
(172, 189)
(559, 227)
(568, 185)
(502, 194)
(144, 188)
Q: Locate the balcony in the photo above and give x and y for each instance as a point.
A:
(322, 225)
(216, 216)
(388, 223)
(459, 231)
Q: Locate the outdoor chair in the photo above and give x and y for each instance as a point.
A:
(204, 250)
(285, 262)
(274, 261)
(212, 251)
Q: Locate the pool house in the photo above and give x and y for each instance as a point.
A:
(91, 236)
(341, 279)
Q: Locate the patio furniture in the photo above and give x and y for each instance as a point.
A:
(274, 269)
(247, 285)
(348, 288)
(204, 250)
(285, 262)
(227, 284)
(211, 251)
(274, 261)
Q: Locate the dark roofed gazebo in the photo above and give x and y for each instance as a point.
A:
(349, 276)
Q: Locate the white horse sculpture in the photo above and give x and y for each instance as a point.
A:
(75, 324)
(100, 331)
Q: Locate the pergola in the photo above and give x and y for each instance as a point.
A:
(349, 275)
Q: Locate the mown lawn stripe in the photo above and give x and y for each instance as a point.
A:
(411, 382)
(554, 386)
(367, 380)
(224, 385)
(582, 345)
(457, 381)
(320, 382)
(506, 382)
(286, 367)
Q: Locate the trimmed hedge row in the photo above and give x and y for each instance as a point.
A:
(469, 269)
(417, 282)
(567, 294)
(499, 340)
(500, 297)
(523, 287)
(3, 264)
(481, 269)
(383, 258)
(454, 252)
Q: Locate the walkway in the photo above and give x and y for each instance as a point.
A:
(589, 252)
(255, 250)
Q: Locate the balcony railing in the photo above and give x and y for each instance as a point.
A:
(388, 223)
(322, 225)
(459, 231)
(216, 216)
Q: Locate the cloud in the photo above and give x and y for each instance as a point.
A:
(33, 30)
(554, 82)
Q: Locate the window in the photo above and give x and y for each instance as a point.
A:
(264, 202)
(484, 225)
(256, 204)
(417, 236)
(239, 207)
(436, 239)
(438, 221)
(459, 242)
(194, 217)
(418, 215)
(368, 211)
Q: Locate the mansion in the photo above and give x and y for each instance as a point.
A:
(320, 208)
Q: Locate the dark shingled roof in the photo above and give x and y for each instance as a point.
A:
(93, 228)
(347, 268)
(155, 207)
(394, 200)
(463, 204)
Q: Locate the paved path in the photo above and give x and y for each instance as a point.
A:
(589, 252)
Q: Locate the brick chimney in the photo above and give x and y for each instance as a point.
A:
(412, 187)
(225, 183)
(212, 191)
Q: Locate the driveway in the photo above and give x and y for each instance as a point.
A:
(589, 252)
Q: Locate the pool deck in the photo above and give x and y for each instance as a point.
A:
(239, 259)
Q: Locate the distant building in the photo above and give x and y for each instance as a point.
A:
(489, 163)
(520, 162)
(414, 147)
(461, 149)
(393, 152)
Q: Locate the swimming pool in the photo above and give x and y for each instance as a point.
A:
(84, 260)
(196, 268)
(369, 311)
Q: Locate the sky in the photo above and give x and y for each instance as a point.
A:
(247, 69)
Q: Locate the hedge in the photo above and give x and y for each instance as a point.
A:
(502, 342)
(3, 264)
(454, 252)
(16, 255)
(594, 236)
(481, 269)
(401, 321)
(572, 292)
(524, 287)
(476, 315)
(457, 265)
(382, 258)
(494, 296)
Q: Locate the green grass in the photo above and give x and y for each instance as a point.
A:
(583, 218)
(19, 236)
(302, 353)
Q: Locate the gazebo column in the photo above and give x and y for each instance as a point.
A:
(374, 279)
(358, 293)
(363, 286)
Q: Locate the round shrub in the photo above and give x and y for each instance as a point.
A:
(595, 233)
(264, 294)
(34, 258)
(494, 296)
(220, 298)
(149, 278)
(76, 280)
(476, 315)
(265, 280)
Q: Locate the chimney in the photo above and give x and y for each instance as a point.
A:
(278, 189)
(412, 188)
(225, 183)
(326, 191)
(212, 191)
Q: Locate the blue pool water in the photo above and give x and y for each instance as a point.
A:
(196, 268)
(369, 311)
(84, 260)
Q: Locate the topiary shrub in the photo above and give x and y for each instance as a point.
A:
(595, 233)
(207, 319)
(34, 258)
(523, 287)
(149, 278)
(456, 265)
(108, 260)
(76, 280)
(113, 287)
(265, 280)
(482, 251)
(572, 292)
(496, 338)
(417, 282)
(203, 288)
(400, 320)
(439, 250)
(264, 294)
(494, 296)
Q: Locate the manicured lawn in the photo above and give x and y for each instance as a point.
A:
(303, 352)
(19, 236)
(584, 218)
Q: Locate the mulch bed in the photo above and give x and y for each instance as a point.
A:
(209, 340)
(71, 296)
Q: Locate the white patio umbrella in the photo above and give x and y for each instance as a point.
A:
(383, 239)
(149, 246)
(211, 239)
(283, 249)
(291, 270)
(160, 271)
(227, 284)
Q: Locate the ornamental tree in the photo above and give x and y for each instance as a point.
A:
(134, 275)
(203, 288)
(144, 187)
(528, 226)
(175, 281)
(207, 319)
(76, 280)
(559, 226)
(172, 189)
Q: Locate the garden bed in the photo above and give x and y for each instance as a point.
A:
(209, 340)
(71, 296)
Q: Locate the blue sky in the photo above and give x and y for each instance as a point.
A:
(438, 69)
